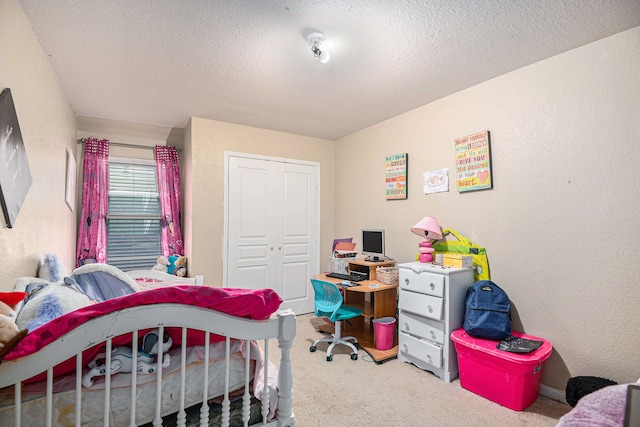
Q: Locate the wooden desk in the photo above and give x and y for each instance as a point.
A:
(374, 303)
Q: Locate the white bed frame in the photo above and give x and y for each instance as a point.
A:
(281, 326)
(161, 276)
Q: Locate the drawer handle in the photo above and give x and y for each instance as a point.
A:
(406, 280)
(429, 356)
(433, 334)
(406, 348)
(430, 309)
(432, 286)
(406, 326)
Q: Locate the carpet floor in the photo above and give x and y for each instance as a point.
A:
(352, 393)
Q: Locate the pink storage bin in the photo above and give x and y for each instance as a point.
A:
(510, 379)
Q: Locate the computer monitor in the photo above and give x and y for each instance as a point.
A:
(373, 244)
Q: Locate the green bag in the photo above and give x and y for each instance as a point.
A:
(465, 247)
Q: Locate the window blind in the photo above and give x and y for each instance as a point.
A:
(134, 218)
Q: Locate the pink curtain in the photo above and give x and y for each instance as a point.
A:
(92, 230)
(168, 169)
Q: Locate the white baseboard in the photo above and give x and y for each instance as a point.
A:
(553, 393)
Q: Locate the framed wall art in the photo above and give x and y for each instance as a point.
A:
(436, 181)
(70, 187)
(395, 176)
(15, 177)
(473, 162)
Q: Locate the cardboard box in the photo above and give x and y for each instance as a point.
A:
(457, 260)
(509, 379)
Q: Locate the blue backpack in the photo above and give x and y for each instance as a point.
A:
(487, 311)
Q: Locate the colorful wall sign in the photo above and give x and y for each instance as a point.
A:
(395, 176)
(473, 162)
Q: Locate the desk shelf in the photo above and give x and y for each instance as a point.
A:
(369, 267)
(365, 306)
(366, 340)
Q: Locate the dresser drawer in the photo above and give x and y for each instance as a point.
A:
(423, 305)
(422, 350)
(421, 327)
(426, 283)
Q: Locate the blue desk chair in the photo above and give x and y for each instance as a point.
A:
(328, 303)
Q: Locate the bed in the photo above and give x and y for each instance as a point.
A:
(215, 372)
(605, 407)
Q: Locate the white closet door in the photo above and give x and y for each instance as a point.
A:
(272, 227)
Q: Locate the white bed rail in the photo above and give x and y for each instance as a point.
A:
(282, 326)
(161, 276)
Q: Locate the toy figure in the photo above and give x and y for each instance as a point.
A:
(162, 264)
(121, 358)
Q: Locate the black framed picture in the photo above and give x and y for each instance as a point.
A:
(15, 177)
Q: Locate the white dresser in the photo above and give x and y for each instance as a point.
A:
(431, 306)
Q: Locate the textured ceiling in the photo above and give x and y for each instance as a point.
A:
(247, 61)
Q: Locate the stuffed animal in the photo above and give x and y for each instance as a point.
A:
(178, 265)
(51, 269)
(181, 267)
(173, 264)
(171, 268)
(162, 264)
(10, 334)
(48, 301)
(121, 358)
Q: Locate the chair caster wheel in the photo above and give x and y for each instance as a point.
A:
(312, 349)
(354, 356)
(329, 358)
(356, 344)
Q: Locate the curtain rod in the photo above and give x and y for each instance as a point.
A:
(122, 144)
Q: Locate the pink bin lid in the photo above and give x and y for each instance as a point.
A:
(461, 337)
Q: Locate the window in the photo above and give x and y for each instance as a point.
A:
(134, 217)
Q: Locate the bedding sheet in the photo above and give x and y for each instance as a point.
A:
(252, 304)
(34, 403)
(602, 408)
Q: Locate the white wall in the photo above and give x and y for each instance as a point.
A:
(207, 141)
(47, 123)
(125, 135)
(202, 163)
(49, 126)
(561, 224)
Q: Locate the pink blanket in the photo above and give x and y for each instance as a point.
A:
(251, 304)
(602, 408)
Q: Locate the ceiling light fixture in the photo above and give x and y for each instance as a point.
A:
(315, 40)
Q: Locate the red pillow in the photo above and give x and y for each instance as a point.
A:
(12, 298)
